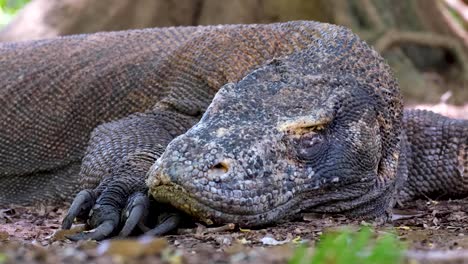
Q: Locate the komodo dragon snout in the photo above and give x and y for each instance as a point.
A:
(276, 143)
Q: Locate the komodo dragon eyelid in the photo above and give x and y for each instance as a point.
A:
(302, 125)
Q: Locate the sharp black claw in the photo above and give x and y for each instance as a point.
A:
(83, 201)
(136, 209)
(101, 232)
(168, 224)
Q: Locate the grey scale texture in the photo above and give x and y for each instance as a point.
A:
(251, 124)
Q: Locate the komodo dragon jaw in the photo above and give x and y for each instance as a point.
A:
(259, 156)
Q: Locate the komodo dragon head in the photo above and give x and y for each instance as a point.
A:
(315, 131)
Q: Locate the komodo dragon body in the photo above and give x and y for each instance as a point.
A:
(251, 124)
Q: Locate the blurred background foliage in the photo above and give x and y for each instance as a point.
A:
(8, 8)
(424, 41)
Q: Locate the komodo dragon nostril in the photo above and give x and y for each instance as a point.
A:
(218, 170)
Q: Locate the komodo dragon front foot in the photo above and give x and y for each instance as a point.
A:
(119, 155)
(106, 218)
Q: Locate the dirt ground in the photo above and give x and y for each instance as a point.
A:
(31, 235)
(431, 229)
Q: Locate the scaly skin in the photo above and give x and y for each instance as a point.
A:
(306, 117)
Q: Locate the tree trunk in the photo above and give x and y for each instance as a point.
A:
(51, 18)
(428, 55)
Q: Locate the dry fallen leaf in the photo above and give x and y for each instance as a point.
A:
(404, 228)
(297, 240)
(243, 241)
(4, 236)
(400, 214)
(310, 217)
(270, 241)
(144, 246)
(235, 248)
(61, 234)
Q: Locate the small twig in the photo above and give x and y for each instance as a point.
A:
(204, 230)
(397, 217)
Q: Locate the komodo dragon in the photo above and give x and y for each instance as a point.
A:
(251, 124)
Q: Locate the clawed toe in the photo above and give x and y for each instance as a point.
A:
(99, 233)
(135, 211)
(81, 205)
(168, 223)
(106, 216)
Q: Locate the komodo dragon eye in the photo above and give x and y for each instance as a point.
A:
(308, 145)
(305, 137)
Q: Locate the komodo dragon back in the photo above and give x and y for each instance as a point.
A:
(55, 92)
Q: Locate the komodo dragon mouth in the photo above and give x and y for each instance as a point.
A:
(184, 201)
(221, 210)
